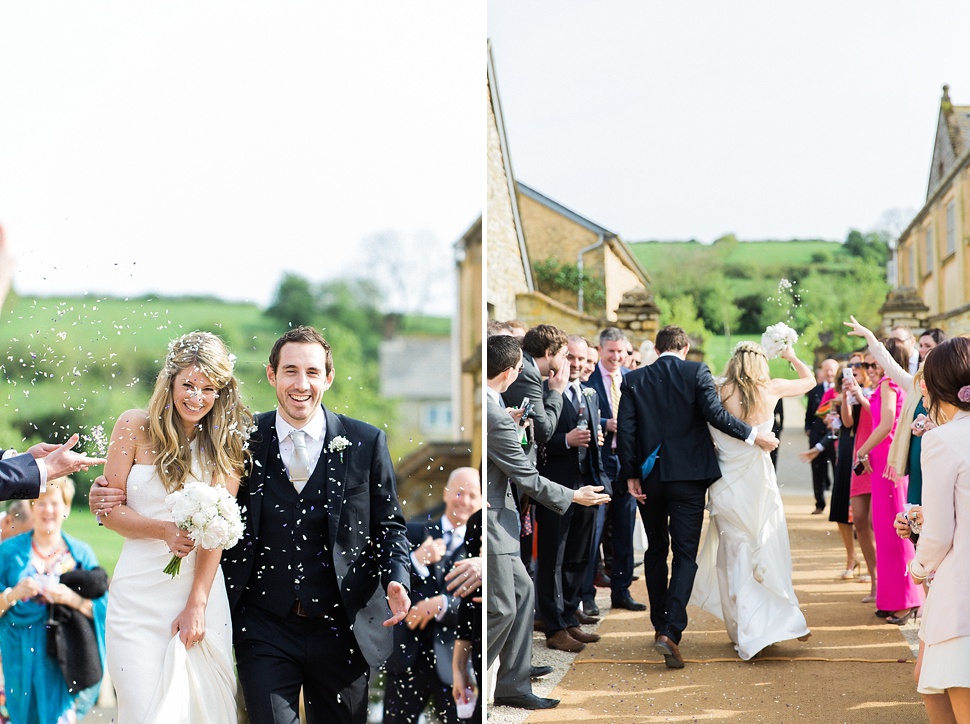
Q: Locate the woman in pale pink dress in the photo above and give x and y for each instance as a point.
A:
(896, 592)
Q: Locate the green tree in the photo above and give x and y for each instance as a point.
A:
(682, 312)
(294, 303)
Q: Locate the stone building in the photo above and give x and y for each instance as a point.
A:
(932, 254)
(527, 229)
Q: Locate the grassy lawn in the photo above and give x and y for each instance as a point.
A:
(107, 544)
(718, 348)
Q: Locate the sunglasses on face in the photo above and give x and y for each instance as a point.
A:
(855, 365)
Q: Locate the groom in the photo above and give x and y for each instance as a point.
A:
(666, 407)
(324, 541)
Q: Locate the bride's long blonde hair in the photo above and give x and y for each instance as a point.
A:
(747, 371)
(222, 434)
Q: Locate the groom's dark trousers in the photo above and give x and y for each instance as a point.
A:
(307, 581)
(669, 405)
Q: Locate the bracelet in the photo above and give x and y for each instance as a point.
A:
(913, 573)
(863, 458)
(6, 598)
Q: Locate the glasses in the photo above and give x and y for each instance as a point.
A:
(855, 365)
(870, 365)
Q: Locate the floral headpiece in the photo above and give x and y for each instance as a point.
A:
(747, 346)
(964, 394)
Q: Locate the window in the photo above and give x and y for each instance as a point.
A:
(951, 227)
(912, 264)
(929, 249)
(437, 416)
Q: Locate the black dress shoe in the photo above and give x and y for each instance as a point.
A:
(628, 603)
(537, 672)
(590, 608)
(583, 618)
(526, 701)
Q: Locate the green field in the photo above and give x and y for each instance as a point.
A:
(718, 348)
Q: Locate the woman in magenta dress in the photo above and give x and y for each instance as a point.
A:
(896, 593)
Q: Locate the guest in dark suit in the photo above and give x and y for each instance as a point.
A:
(573, 459)
(324, 551)
(817, 432)
(420, 667)
(509, 596)
(25, 476)
(606, 379)
(544, 357)
(667, 407)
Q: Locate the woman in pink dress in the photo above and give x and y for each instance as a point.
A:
(858, 388)
(896, 593)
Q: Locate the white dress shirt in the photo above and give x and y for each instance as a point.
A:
(316, 433)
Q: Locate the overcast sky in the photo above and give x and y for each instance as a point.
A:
(186, 147)
(695, 119)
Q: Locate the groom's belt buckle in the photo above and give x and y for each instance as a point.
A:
(299, 610)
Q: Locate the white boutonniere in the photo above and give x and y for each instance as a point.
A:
(339, 444)
(589, 392)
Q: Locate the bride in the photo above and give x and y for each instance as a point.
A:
(169, 639)
(744, 571)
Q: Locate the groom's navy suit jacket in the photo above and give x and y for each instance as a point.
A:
(670, 403)
(367, 531)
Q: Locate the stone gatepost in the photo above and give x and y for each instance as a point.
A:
(903, 307)
(638, 315)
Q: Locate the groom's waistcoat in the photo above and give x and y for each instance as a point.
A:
(293, 560)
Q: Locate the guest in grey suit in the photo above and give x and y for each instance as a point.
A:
(509, 598)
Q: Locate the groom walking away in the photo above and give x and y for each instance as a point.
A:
(324, 541)
(509, 598)
(664, 412)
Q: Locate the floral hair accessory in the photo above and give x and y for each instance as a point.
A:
(964, 394)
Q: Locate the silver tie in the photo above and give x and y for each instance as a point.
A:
(300, 464)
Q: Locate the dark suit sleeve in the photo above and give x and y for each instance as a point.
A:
(713, 410)
(626, 434)
(551, 409)
(388, 529)
(19, 478)
(810, 409)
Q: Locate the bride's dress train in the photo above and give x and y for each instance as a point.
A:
(157, 679)
(744, 574)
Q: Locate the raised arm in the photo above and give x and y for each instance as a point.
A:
(793, 388)
(878, 350)
(879, 433)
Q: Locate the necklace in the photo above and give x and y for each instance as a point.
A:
(58, 547)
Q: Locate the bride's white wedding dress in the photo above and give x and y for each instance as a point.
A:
(744, 574)
(157, 680)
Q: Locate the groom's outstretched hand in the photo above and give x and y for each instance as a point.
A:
(398, 602)
(767, 441)
(102, 499)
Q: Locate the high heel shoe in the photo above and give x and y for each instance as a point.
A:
(851, 572)
(900, 620)
(869, 599)
(865, 578)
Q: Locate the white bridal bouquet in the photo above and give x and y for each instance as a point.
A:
(776, 338)
(210, 515)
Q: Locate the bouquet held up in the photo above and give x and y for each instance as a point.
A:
(209, 514)
(776, 338)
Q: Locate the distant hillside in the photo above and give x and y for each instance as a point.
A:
(74, 364)
(734, 285)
